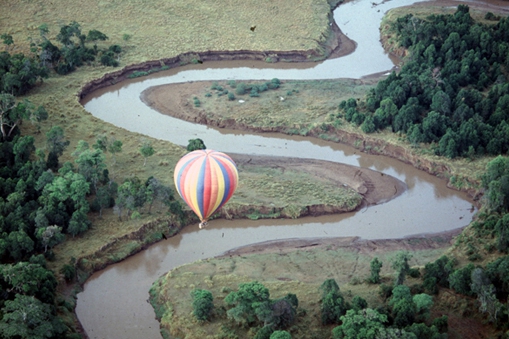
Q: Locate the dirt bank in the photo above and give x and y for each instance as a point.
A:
(336, 45)
(373, 186)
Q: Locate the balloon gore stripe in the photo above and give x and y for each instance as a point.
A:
(206, 180)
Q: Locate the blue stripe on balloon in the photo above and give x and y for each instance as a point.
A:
(227, 182)
(200, 186)
(180, 173)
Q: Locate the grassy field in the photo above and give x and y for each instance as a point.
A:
(309, 108)
(285, 270)
(154, 30)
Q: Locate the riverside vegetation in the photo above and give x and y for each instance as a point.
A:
(41, 208)
(451, 102)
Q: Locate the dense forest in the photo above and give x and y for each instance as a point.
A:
(452, 90)
(43, 201)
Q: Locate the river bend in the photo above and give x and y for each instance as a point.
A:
(114, 303)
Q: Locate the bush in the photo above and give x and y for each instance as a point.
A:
(359, 303)
(437, 273)
(195, 144)
(115, 49)
(385, 291)
(264, 333)
(69, 272)
(280, 335)
(231, 96)
(241, 89)
(284, 311)
(202, 304)
(461, 279)
(254, 92)
(108, 60)
(376, 266)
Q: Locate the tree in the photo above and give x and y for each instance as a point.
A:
(12, 113)
(333, 304)
(131, 195)
(360, 324)
(195, 144)
(94, 35)
(400, 264)
(283, 312)
(79, 223)
(203, 304)
(280, 335)
(496, 181)
(50, 236)
(460, 279)
(434, 126)
(114, 147)
(19, 244)
(359, 303)
(486, 294)
(249, 297)
(56, 143)
(146, 150)
(90, 163)
(403, 307)
(423, 303)
(155, 190)
(264, 333)
(27, 317)
(7, 39)
(29, 278)
(108, 145)
(376, 266)
(104, 197)
(437, 273)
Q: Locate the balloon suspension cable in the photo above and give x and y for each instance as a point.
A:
(203, 224)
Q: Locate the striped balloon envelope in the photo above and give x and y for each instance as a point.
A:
(206, 180)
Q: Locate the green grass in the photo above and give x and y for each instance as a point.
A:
(298, 271)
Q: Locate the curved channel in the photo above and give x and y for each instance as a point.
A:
(113, 303)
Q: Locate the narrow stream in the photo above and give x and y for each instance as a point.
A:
(114, 301)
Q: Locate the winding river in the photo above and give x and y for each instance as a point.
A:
(114, 303)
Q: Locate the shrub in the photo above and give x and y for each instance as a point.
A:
(202, 304)
(333, 304)
(284, 311)
(108, 60)
(461, 279)
(437, 273)
(376, 266)
(280, 335)
(231, 96)
(241, 89)
(195, 144)
(115, 49)
(385, 291)
(359, 303)
(264, 333)
(69, 272)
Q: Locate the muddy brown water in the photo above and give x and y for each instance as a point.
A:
(114, 303)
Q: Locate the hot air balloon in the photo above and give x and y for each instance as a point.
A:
(206, 180)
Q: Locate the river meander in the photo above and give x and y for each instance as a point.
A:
(114, 303)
